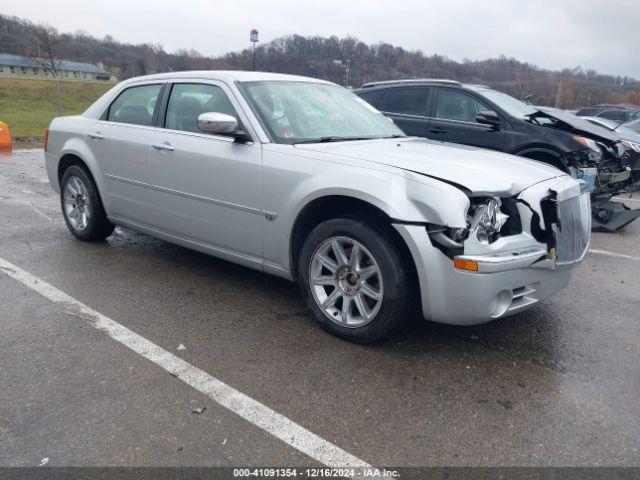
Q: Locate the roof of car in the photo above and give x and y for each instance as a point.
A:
(411, 81)
(230, 76)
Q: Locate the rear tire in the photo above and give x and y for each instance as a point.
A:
(82, 207)
(362, 297)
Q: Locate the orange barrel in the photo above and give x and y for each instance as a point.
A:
(5, 136)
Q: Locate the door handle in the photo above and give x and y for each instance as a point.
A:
(438, 130)
(95, 135)
(164, 146)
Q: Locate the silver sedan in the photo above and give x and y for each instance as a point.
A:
(300, 178)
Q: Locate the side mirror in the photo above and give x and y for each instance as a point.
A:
(488, 117)
(220, 123)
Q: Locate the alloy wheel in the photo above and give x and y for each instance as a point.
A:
(77, 206)
(346, 282)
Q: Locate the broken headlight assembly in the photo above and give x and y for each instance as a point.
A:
(589, 143)
(486, 220)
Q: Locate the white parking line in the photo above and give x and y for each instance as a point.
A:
(246, 407)
(614, 254)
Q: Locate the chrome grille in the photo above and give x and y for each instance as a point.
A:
(573, 233)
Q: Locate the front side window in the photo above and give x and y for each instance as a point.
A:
(407, 101)
(513, 106)
(295, 112)
(455, 105)
(189, 100)
(135, 105)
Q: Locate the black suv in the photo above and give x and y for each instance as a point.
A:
(476, 115)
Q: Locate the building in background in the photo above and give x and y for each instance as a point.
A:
(15, 66)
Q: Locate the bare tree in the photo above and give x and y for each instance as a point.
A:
(47, 41)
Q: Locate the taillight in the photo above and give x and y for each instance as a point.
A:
(46, 139)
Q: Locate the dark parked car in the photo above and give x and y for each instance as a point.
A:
(476, 115)
(611, 112)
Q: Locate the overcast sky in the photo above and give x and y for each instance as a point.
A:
(603, 35)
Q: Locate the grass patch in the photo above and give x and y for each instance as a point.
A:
(28, 106)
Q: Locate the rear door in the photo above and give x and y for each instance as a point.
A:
(206, 188)
(120, 144)
(453, 119)
(408, 107)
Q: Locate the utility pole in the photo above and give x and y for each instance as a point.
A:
(559, 93)
(519, 80)
(346, 65)
(347, 69)
(253, 38)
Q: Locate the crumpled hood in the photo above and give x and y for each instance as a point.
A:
(475, 169)
(575, 124)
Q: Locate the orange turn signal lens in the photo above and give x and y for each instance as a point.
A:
(462, 264)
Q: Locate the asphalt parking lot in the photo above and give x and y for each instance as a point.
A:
(558, 385)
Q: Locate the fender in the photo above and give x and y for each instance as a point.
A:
(403, 196)
(540, 150)
(77, 147)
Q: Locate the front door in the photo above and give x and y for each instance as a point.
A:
(207, 188)
(454, 120)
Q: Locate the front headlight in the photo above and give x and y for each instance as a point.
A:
(632, 145)
(487, 220)
(587, 142)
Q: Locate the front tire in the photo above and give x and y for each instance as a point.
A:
(81, 206)
(356, 280)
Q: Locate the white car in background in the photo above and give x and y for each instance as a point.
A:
(300, 178)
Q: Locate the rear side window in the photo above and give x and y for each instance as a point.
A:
(135, 105)
(189, 100)
(372, 97)
(456, 105)
(407, 101)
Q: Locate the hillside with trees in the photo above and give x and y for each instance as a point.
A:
(321, 57)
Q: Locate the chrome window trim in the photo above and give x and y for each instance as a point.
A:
(220, 138)
(121, 124)
(464, 122)
(406, 115)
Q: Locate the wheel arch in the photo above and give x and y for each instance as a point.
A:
(342, 206)
(543, 153)
(76, 152)
(69, 159)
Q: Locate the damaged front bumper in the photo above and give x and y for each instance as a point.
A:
(501, 287)
(505, 261)
(486, 282)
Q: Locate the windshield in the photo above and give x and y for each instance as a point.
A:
(511, 105)
(307, 112)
